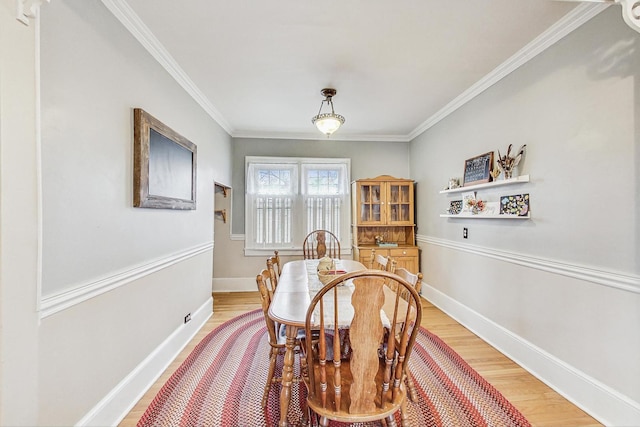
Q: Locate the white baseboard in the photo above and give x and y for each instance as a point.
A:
(234, 284)
(117, 403)
(600, 401)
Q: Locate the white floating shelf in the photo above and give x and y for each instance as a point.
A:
(510, 181)
(480, 216)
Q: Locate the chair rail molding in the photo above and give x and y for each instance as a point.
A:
(623, 282)
(28, 9)
(52, 304)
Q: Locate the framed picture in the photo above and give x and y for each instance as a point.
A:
(455, 207)
(517, 204)
(477, 170)
(164, 165)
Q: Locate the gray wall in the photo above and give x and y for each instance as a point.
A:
(19, 214)
(87, 162)
(233, 271)
(563, 284)
(145, 268)
(368, 160)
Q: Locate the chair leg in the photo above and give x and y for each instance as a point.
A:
(391, 421)
(404, 415)
(304, 369)
(324, 421)
(272, 369)
(413, 393)
(312, 418)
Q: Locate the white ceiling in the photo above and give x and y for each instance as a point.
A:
(259, 66)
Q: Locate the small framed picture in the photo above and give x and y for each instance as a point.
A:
(517, 204)
(455, 207)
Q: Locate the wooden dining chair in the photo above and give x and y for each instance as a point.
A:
(276, 257)
(320, 243)
(379, 262)
(416, 281)
(277, 344)
(365, 386)
(273, 265)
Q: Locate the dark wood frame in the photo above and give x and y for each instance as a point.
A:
(472, 174)
(143, 124)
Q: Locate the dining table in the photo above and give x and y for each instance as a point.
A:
(297, 285)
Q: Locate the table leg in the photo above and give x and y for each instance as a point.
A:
(287, 374)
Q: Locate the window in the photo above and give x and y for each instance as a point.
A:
(286, 198)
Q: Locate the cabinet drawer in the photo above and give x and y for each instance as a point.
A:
(399, 252)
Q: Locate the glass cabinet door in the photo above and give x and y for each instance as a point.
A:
(399, 206)
(370, 203)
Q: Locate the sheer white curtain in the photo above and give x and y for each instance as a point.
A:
(286, 198)
(325, 193)
(272, 193)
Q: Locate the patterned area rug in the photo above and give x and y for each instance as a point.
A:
(221, 384)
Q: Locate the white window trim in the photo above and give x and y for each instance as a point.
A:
(296, 249)
(344, 252)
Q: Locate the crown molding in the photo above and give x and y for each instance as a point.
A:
(132, 22)
(631, 13)
(319, 137)
(28, 9)
(570, 22)
(573, 20)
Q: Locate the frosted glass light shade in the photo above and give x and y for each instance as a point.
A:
(328, 123)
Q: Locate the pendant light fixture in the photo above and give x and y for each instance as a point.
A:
(327, 123)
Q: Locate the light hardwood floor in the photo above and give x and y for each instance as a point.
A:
(538, 403)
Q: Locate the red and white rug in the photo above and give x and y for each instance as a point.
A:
(221, 384)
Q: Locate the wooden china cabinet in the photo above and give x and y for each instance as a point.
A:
(383, 219)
